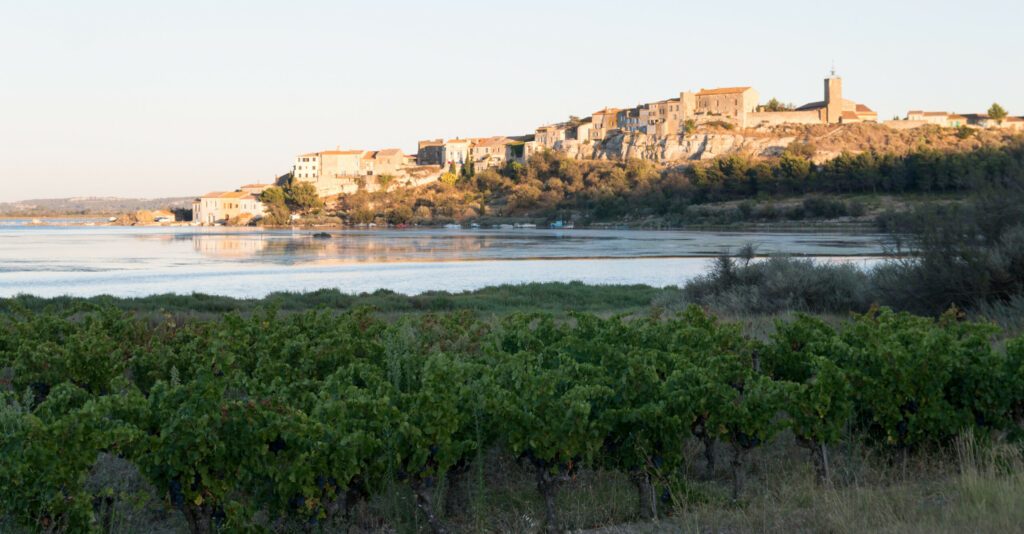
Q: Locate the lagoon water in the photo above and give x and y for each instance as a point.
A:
(245, 262)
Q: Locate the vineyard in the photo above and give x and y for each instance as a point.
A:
(273, 422)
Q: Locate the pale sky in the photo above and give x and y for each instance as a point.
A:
(146, 99)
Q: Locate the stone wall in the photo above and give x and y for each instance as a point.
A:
(776, 118)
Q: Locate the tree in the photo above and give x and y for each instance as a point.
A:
(302, 196)
(275, 200)
(775, 105)
(385, 181)
(997, 113)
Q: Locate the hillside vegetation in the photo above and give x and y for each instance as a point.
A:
(551, 186)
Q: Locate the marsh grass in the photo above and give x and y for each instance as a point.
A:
(556, 297)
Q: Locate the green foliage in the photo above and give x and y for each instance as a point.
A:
(997, 113)
(302, 196)
(245, 422)
(775, 105)
(276, 201)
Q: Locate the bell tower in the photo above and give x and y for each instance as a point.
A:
(833, 98)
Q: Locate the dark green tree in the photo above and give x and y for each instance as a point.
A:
(997, 113)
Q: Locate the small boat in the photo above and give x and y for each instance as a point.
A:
(475, 226)
(453, 227)
(526, 226)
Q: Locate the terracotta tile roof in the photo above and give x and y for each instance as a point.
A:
(253, 186)
(389, 152)
(342, 152)
(454, 141)
(850, 115)
(493, 141)
(228, 194)
(722, 91)
(369, 154)
(310, 155)
(861, 108)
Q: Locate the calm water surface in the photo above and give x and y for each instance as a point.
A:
(245, 262)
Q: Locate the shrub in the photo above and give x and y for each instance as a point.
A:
(781, 284)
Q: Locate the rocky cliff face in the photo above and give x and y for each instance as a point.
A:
(677, 148)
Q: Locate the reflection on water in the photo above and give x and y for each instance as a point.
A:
(253, 262)
(227, 246)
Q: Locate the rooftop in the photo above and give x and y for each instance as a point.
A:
(722, 91)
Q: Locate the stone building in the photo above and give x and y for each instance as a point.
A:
(728, 104)
(982, 120)
(220, 207)
(389, 161)
(488, 152)
(456, 152)
(551, 134)
(430, 152)
(664, 117)
(938, 118)
(834, 109)
(581, 130)
(603, 122)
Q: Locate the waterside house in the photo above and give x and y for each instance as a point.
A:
(220, 207)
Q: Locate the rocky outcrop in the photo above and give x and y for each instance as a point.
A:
(676, 148)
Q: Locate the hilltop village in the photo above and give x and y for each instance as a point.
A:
(692, 126)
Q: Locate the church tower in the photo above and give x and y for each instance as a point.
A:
(833, 99)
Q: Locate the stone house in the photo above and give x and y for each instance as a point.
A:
(366, 163)
(938, 118)
(324, 169)
(628, 120)
(220, 207)
(489, 152)
(520, 151)
(388, 161)
(664, 117)
(982, 120)
(603, 122)
(730, 104)
(581, 131)
(430, 152)
(456, 151)
(550, 135)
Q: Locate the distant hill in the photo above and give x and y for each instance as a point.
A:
(90, 205)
